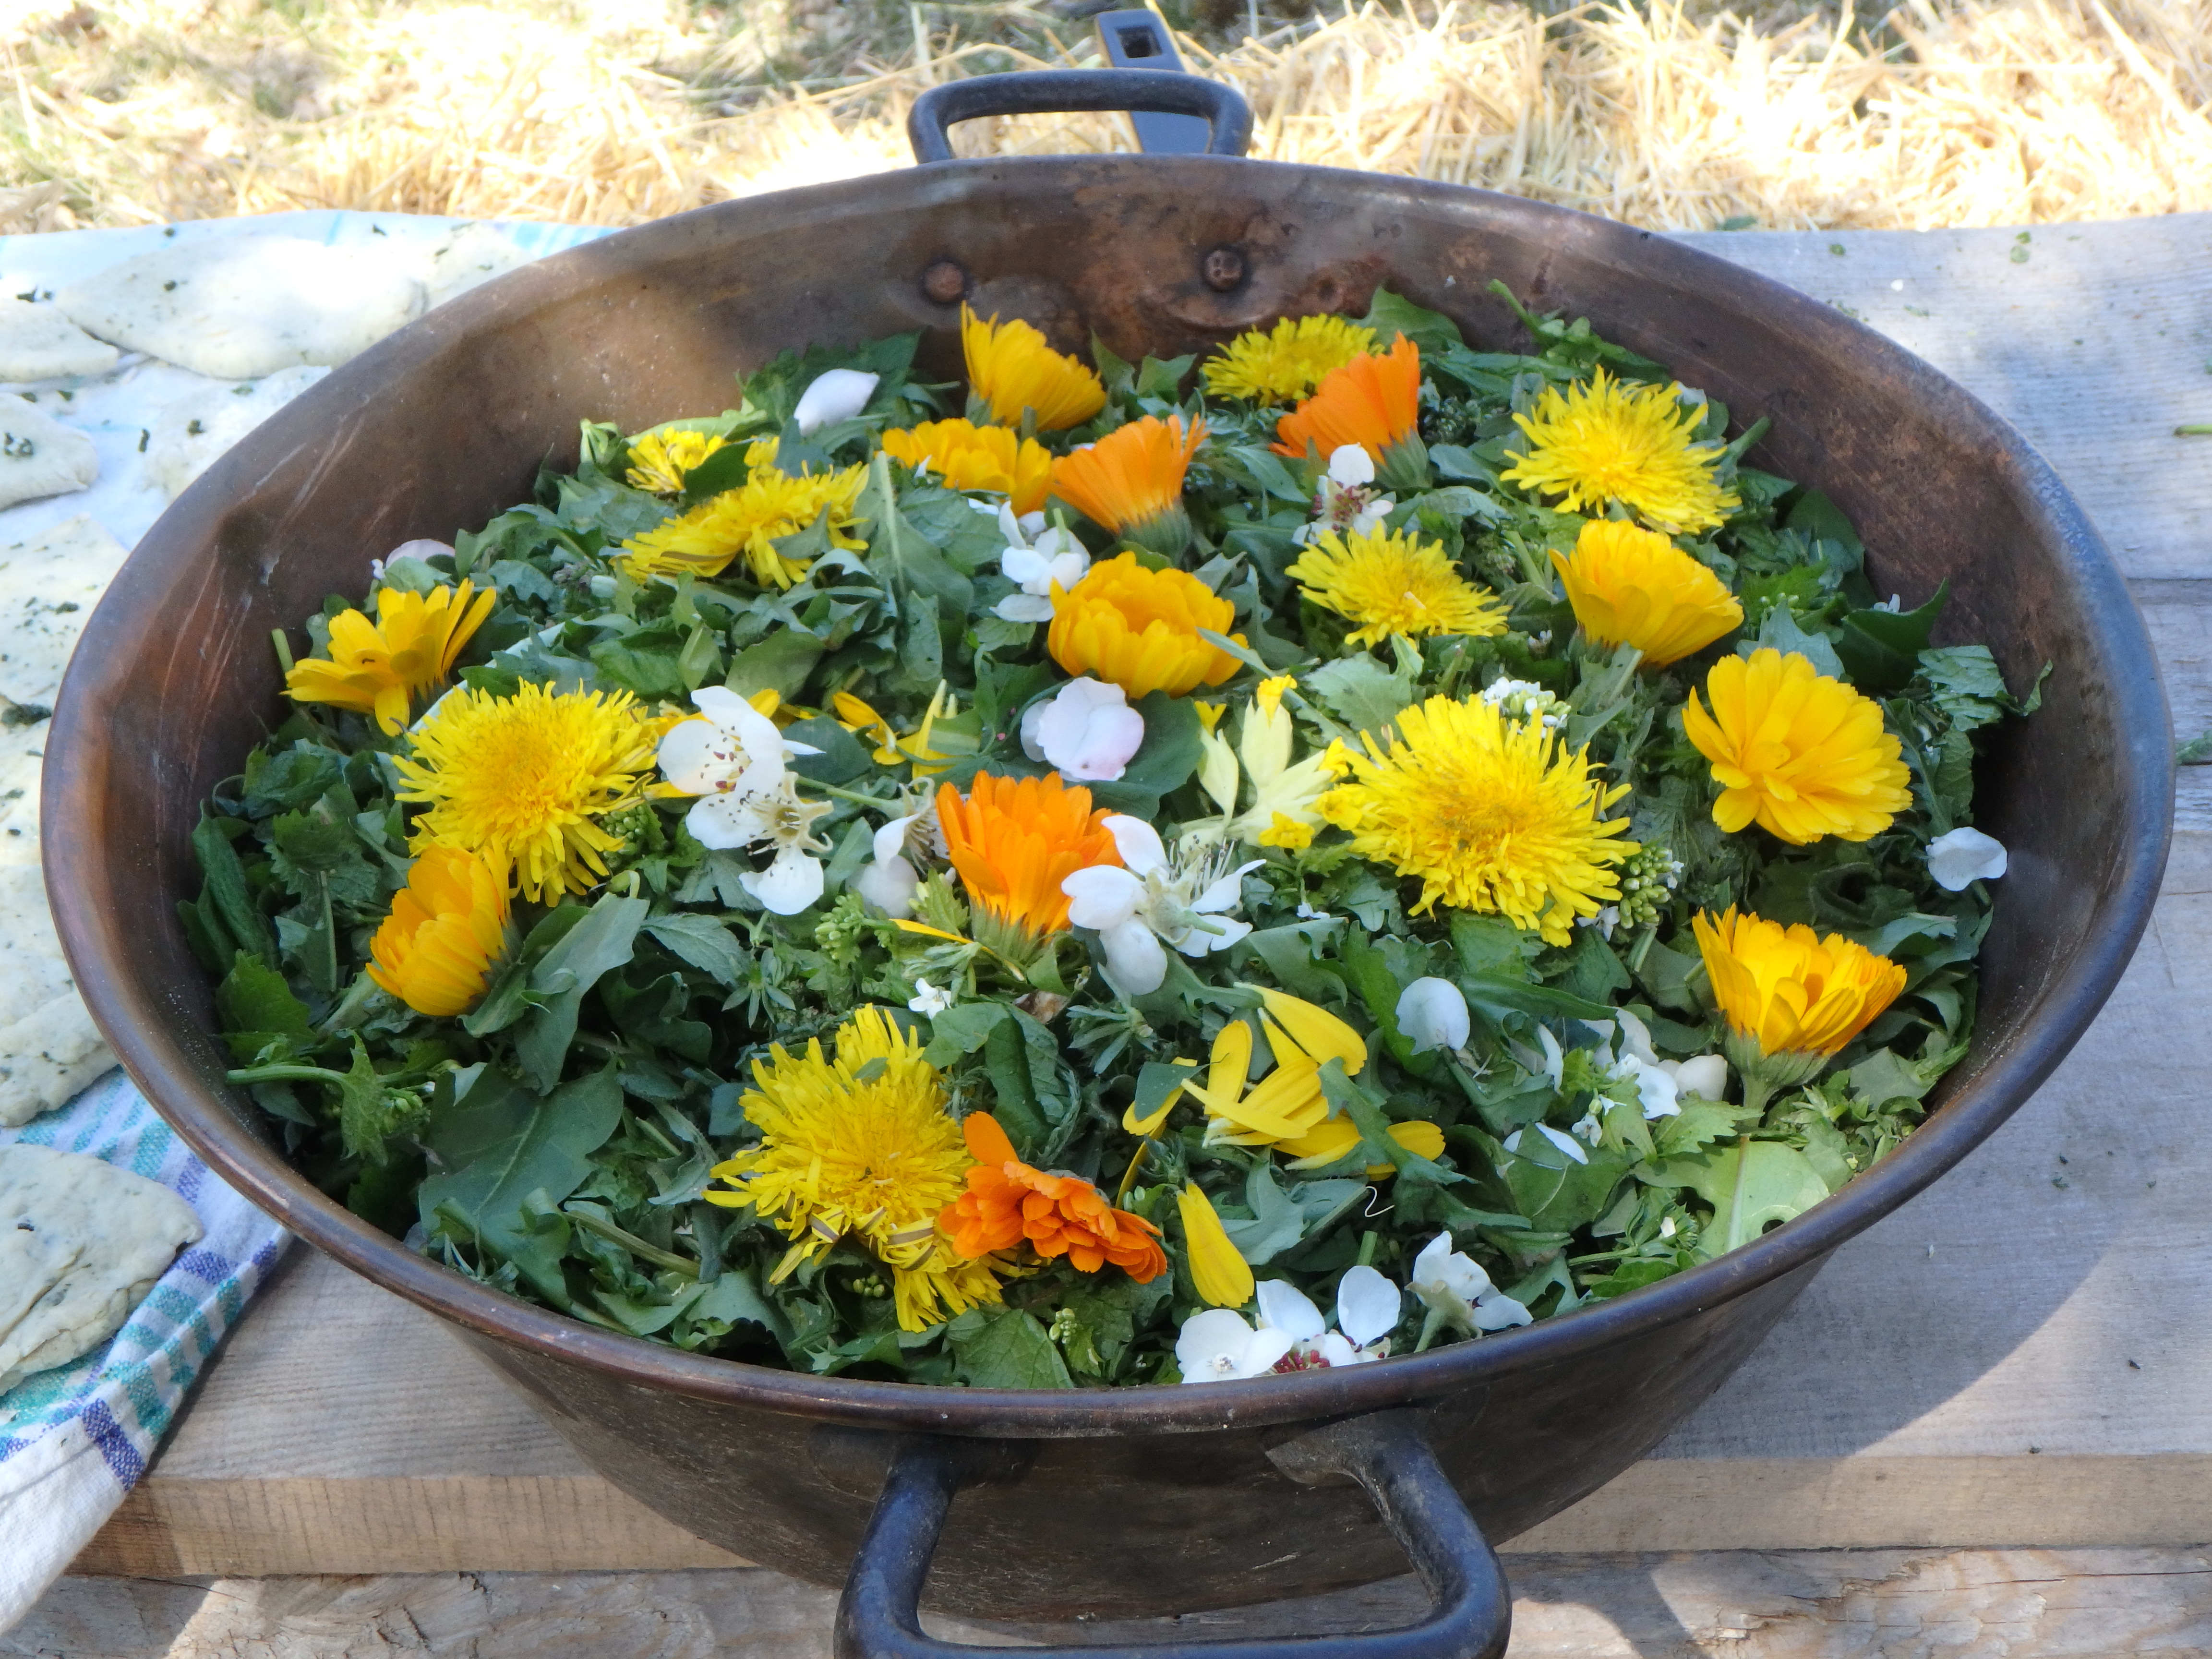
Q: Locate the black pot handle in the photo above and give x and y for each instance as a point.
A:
(1051, 91)
(1470, 1616)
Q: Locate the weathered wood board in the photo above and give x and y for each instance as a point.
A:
(2013, 1360)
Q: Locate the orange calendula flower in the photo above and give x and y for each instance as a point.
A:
(1012, 843)
(1009, 1202)
(970, 456)
(1138, 628)
(1131, 481)
(1792, 1000)
(1631, 587)
(1011, 369)
(447, 926)
(1373, 401)
(381, 667)
(1800, 754)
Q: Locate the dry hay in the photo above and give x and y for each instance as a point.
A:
(1943, 113)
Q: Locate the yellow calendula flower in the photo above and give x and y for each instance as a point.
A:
(1222, 1275)
(1491, 814)
(1287, 361)
(382, 667)
(965, 456)
(1792, 1000)
(523, 780)
(1011, 369)
(1390, 582)
(1801, 755)
(1631, 587)
(749, 520)
(447, 926)
(861, 1147)
(659, 461)
(1138, 628)
(1606, 442)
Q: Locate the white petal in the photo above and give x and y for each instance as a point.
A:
(421, 548)
(721, 705)
(1067, 568)
(1430, 1263)
(1266, 1347)
(1022, 565)
(722, 822)
(891, 840)
(889, 884)
(1089, 732)
(1635, 1037)
(1555, 1063)
(1335, 1351)
(1432, 1013)
(1349, 464)
(1566, 1142)
(694, 755)
(1030, 524)
(1198, 941)
(1225, 893)
(1497, 1310)
(1706, 1077)
(1138, 842)
(788, 885)
(1284, 1306)
(1134, 963)
(1211, 1345)
(1101, 896)
(1032, 719)
(1656, 1090)
(1023, 608)
(1009, 525)
(1965, 856)
(1367, 1305)
(837, 394)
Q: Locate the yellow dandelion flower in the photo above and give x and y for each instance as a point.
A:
(1288, 362)
(970, 456)
(659, 460)
(1610, 442)
(382, 667)
(1286, 832)
(447, 926)
(1631, 587)
(1011, 369)
(861, 1147)
(1801, 755)
(750, 519)
(1491, 814)
(523, 781)
(1138, 628)
(1390, 582)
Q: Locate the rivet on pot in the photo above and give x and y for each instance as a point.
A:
(945, 282)
(1224, 268)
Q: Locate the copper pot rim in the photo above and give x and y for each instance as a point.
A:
(131, 1017)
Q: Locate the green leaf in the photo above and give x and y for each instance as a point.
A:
(1698, 1122)
(1489, 943)
(1595, 972)
(1817, 517)
(369, 1113)
(732, 1298)
(1389, 314)
(961, 1030)
(704, 943)
(1366, 1111)
(253, 997)
(1780, 632)
(225, 883)
(1555, 1193)
(780, 662)
(1169, 754)
(1014, 1104)
(1288, 952)
(647, 662)
(1277, 1223)
(1881, 648)
(603, 939)
(1966, 683)
(1362, 693)
(1012, 1352)
(842, 758)
(500, 1145)
(1885, 1075)
(1748, 1186)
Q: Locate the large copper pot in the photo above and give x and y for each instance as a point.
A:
(1145, 1500)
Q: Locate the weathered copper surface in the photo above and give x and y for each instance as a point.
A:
(1144, 1500)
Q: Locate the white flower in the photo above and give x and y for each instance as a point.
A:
(1965, 856)
(1088, 732)
(1432, 1013)
(1455, 1286)
(1153, 900)
(1705, 1076)
(732, 758)
(1525, 700)
(888, 881)
(930, 999)
(1367, 1306)
(1217, 1346)
(1559, 1138)
(837, 394)
(1345, 502)
(1035, 558)
(1656, 1086)
(1285, 1308)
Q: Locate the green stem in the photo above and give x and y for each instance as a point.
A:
(2197, 429)
(287, 1074)
(853, 795)
(634, 1244)
(283, 649)
(348, 1012)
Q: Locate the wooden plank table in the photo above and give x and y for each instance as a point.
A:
(2013, 1362)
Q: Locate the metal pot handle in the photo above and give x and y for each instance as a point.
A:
(1044, 92)
(1470, 1616)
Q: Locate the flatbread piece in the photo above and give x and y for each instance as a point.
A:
(49, 1049)
(49, 584)
(38, 343)
(40, 456)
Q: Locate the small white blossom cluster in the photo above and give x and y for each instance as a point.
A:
(1520, 700)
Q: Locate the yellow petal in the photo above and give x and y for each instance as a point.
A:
(923, 927)
(1223, 1277)
(1232, 1063)
(1150, 1124)
(1318, 1032)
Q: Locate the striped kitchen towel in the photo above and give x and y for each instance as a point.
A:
(75, 1439)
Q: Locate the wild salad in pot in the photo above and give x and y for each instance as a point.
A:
(1113, 874)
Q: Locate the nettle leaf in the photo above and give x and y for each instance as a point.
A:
(1012, 1352)
(1780, 632)
(254, 997)
(1362, 693)
(647, 662)
(962, 1028)
(843, 756)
